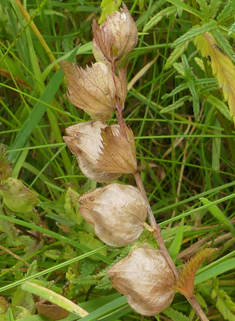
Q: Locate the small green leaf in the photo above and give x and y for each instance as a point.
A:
(176, 53)
(218, 214)
(175, 315)
(195, 31)
(224, 304)
(108, 7)
(90, 241)
(180, 102)
(71, 206)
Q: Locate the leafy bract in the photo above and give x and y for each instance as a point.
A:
(222, 67)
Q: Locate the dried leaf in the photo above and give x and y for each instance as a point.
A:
(222, 67)
(51, 310)
(117, 153)
(185, 282)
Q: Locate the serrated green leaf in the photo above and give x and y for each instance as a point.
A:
(175, 315)
(218, 214)
(224, 304)
(203, 7)
(176, 53)
(231, 29)
(180, 102)
(223, 43)
(195, 31)
(175, 91)
(176, 244)
(214, 7)
(23, 299)
(225, 12)
(158, 17)
(32, 269)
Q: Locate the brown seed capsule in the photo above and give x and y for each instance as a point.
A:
(145, 278)
(92, 89)
(116, 37)
(116, 211)
(102, 151)
(84, 141)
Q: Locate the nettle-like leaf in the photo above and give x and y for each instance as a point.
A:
(222, 67)
(175, 315)
(225, 12)
(158, 17)
(224, 304)
(223, 43)
(214, 7)
(195, 31)
(5, 167)
(185, 282)
(176, 53)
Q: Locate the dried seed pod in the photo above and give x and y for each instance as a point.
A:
(145, 278)
(116, 37)
(84, 141)
(102, 152)
(93, 89)
(116, 211)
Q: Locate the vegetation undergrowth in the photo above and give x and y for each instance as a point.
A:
(180, 106)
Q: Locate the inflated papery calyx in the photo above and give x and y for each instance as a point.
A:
(102, 152)
(92, 89)
(116, 211)
(116, 37)
(84, 141)
(145, 278)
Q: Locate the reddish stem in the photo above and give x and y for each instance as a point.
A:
(155, 226)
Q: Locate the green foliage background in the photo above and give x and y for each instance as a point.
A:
(185, 146)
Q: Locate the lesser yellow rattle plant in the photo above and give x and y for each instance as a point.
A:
(147, 277)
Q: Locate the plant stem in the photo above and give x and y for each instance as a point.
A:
(155, 226)
(197, 308)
